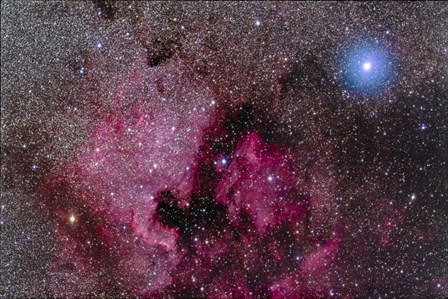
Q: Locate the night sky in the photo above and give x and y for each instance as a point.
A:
(224, 149)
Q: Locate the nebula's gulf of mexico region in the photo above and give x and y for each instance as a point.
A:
(224, 150)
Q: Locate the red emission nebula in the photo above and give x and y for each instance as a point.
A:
(230, 214)
(224, 150)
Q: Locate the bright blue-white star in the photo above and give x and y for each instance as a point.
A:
(366, 68)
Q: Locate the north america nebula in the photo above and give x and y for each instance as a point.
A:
(224, 149)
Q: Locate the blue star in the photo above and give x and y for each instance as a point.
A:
(222, 163)
(366, 68)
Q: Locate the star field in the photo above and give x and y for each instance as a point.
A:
(224, 149)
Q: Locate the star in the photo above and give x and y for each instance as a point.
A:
(366, 68)
(423, 127)
(72, 219)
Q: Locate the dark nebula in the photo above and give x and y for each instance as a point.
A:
(224, 150)
(161, 51)
(105, 9)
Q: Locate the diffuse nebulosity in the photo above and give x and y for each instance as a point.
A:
(226, 150)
